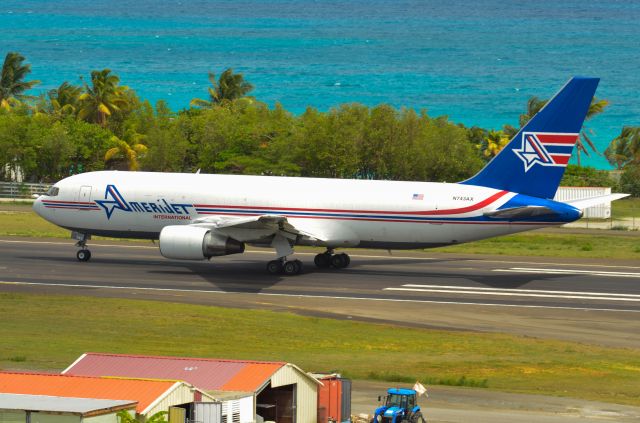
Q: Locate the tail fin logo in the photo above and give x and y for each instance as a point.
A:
(545, 149)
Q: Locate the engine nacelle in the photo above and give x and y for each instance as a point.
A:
(196, 243)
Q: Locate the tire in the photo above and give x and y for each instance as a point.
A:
(274, 267)
(292, 267)
(338, 261)
(347, 259)
(83, 255)
(418, 418)
(322, 260)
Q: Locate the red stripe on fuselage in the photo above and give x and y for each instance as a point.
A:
(368, 219)
(69, 202)
(71, 208)
(460, 210)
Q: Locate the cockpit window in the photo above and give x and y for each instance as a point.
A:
(53, 191)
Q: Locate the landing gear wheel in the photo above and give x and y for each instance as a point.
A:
(274, 267)
(322, 260)
(340, 261)
(83, 255)
(293, 267)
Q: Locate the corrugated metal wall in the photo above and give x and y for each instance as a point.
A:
(307, 392)
(602, 211)
(246, 409)
(181, 394)
(207, 412)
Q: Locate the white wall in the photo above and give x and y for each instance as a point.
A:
(602, 211)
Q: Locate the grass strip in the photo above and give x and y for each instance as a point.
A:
(50, 332)
(542, 244)
(21, 221)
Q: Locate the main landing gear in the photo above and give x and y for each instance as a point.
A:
(328, 259)
(83, 254)
(282, 266)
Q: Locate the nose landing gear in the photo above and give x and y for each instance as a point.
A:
(83, 254)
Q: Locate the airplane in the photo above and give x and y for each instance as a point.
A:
(200, 216)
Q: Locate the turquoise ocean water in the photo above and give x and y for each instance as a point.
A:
(476, 61)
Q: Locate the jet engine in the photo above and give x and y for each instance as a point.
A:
(196, 243)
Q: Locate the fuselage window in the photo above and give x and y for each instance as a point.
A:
(53, 191)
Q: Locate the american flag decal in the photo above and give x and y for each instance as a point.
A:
(418, 196)
(545, 149)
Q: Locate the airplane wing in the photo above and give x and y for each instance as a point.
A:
(264, 224)
(595, 201)
(284, 231)
(524, 212)
(257, 228)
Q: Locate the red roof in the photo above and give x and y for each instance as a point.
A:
(205, 373)
(144, 392)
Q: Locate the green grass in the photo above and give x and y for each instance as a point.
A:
(50, 332)
(19, 220)
(627, 207)
(557, 244)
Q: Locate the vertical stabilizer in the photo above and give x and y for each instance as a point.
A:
(535, 159)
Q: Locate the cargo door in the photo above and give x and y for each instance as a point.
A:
(84, 195)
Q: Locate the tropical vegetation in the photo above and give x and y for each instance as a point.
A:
(12, 80)
(103, 124)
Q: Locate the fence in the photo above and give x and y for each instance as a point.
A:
(21, 189)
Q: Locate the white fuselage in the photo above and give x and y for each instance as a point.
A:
(356, 213)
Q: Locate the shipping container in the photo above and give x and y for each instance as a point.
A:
(334, 399)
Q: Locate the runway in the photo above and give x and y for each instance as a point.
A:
(582, 300)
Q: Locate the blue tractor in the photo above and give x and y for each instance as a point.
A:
(400, 406)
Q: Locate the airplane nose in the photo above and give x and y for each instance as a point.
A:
(38, 207)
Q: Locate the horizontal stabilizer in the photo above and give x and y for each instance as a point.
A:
(524, 212)
(595, 201)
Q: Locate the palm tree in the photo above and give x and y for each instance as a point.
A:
(533, 106)
(596, 107)
(127, 151)
(65, 99)
(12, 83)
(625, 148)
(102, 98)
(494, 142)
(229, 87)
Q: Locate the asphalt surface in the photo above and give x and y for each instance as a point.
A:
(589, 301)
(580, 300)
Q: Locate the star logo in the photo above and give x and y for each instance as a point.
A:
(533, 151)
(113, 200)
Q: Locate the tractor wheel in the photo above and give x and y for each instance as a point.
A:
(418, 418)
